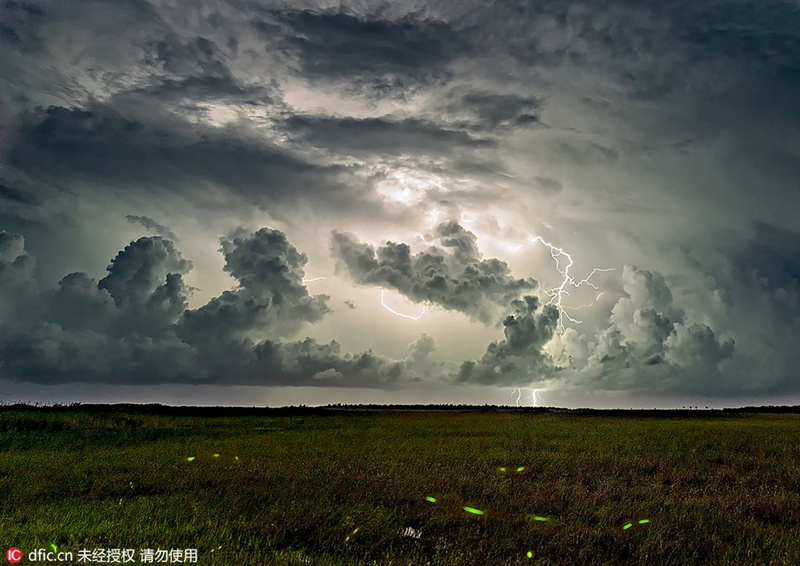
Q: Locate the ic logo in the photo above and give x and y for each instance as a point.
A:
(14, 555)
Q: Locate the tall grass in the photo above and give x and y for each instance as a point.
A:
(290, 490)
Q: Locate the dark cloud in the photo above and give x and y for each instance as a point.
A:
(382, 136)
(64, 146)
(151, 224)
(19, 24)
(17, 196)
(518, 359)
(381, 55)
(454, 276)
(771, 259)
(138, 271)
(17, 284)
(133, 326)
(492, 110)
(270, 294)
(196, 57)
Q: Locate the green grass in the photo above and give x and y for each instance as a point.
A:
(721, 490)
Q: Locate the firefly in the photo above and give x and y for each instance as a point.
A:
(351, 534)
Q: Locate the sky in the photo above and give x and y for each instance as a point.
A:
(580, 204)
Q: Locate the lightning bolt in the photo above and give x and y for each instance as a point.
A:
(383, 302)
(557, 294)
(533, 397)
(394, 312)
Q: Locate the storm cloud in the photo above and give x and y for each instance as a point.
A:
(133, 326)
(436, 142)
(454, 276)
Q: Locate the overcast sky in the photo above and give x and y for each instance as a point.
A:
(255, 202)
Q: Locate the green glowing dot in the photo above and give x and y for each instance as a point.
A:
(219, 547)
(216, 455)
(502, 469)
(431, 499)
(473, 510)
(131, 485)
(356, 530)
(537, 518)
(53, 547)
(628, 526)
(530, 554)
(347, 539)
(190, 458)
(237, 457)
(120, 501)
(520, 468)
(643, 521)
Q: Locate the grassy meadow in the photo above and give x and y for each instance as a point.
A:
(351, 488)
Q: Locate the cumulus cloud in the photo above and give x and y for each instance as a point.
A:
(650, 343)
(454, 276)
(270, 294)
(133, 326)
(518, 359)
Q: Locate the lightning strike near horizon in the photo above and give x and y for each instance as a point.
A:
(556, 294)
(533, 396)
(394, 312)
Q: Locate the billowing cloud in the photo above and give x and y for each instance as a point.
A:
(454, 276)
(270, 295)
(133, 326)
(519, 358)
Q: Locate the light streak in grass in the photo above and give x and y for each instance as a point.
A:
(473, 510)
(640, 521)
(431, 499)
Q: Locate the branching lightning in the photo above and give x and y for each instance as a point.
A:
(394, 312)
(557, 294)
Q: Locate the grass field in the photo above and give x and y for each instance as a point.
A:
(292, 489)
